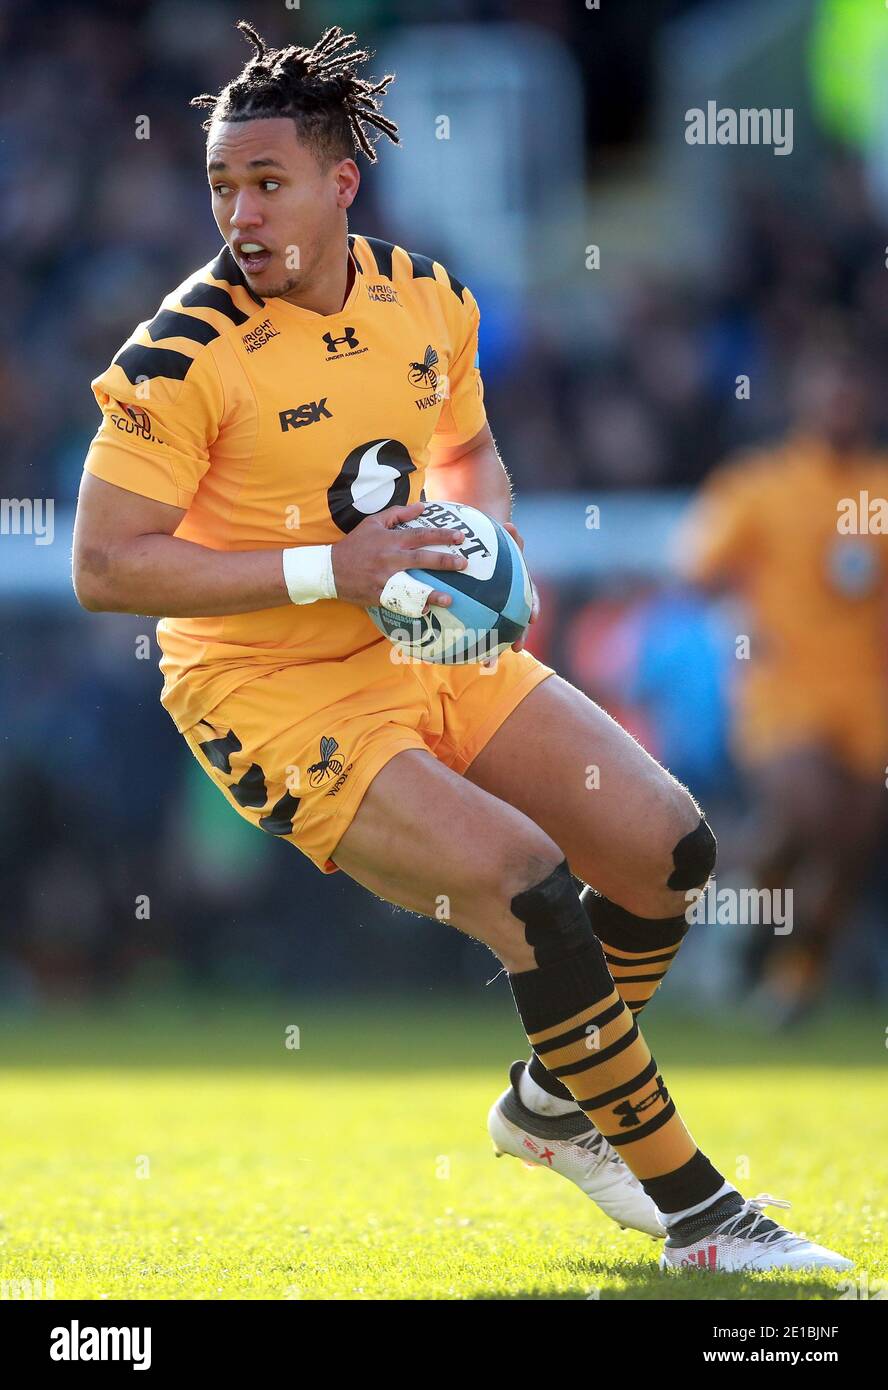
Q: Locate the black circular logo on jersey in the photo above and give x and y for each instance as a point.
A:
(375, 475)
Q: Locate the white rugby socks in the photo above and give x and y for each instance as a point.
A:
(672, 1218)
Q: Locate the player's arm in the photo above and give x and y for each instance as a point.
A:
(473, 473)
(143, 469)
(127, 560)
(140, 482)
(464, 464)
(717, 538)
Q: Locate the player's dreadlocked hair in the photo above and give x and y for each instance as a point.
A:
(318, 87)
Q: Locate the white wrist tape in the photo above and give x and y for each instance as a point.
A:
(405, 595)
(308, 573)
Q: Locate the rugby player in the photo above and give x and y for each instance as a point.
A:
(785, 529)
(261, 438)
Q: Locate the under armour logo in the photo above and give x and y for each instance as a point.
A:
(347, 337)
(630, 1112)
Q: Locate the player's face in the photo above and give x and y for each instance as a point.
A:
(278, 209)
(835, 402)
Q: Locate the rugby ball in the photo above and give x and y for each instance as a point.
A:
(491, 597)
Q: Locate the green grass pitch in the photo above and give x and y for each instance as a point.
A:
(187, 1153)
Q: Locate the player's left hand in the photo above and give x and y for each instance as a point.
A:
(535, 605)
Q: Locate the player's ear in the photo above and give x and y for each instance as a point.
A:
(348, 179)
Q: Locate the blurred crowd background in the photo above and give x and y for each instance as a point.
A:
(627, 281)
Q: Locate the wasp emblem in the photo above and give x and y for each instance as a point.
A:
(329, 766)
(423, 374)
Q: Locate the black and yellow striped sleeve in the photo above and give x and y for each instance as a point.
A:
(162, 402)
(463, 413)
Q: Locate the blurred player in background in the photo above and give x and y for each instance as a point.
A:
(796, 531)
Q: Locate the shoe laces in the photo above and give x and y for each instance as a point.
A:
(750, 1223)
(595, 1143)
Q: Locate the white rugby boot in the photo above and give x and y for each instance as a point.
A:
(738, 1236)
(572, 1146)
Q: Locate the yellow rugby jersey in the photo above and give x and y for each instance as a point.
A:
(276, 426)
(769, 523)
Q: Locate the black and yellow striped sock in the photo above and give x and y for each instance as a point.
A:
(585, 1036)
(639, 952)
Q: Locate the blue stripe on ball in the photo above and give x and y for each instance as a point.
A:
(495, 590)
(464, 607)
(515, 606)
(492, 613)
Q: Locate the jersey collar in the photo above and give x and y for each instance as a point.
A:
(351, 300)
(226, 268)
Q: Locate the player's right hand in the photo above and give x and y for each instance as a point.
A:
(365, 559)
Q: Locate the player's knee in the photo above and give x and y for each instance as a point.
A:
(693, 858)
(553, 920)
(678, 856)
(523, 855)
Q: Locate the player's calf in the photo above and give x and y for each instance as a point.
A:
(640, 950)
(584, 1035)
